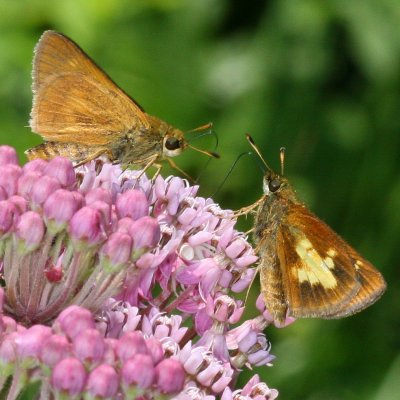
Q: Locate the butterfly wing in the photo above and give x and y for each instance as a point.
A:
(323, 276)
(74, 100)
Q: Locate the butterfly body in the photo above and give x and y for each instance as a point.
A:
(138, 146)
(82, 114)
(306, 269)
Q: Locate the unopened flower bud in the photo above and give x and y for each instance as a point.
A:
(8, 216)
(170, 376)
(85, 226)
(116, 250)
(89, 346)
(69, 377)
(155, 349)
(43, 188)
(59, 209)
(98, 194)
(74, 320)
(61, 169)
(30, 230)
(26, 182)
(138, 371)
(57, 348)
(8, 155)
(132, 203)
(103, 382)
(146, 234)
(36, 165)
(130, 344)
(19, 202)
(9, 178)
(30, 342)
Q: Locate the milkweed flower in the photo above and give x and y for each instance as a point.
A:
(116, 286)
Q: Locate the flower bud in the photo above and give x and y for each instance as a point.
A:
(30, 231)
(9, 178)
(104, 209)
(36, 165)
(8, 216)
(116, 251)
(85, 227)
(19, 202)
(61, 169)
(8, 155)
(170, 376)
(155, 349)
(30, 342)
(124, 224)
(103, 382)
(69, 376)
(146, 234)
(74, 320)
(130, 344)
(138, 371)
(98, 194)
(89, 346)
(54, 273)
(57, 348)
(132, 203)
(59, 208)
(26, 182)
(43, 188)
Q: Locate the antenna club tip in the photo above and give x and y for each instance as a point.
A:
(282, 149)
(215, 155)
(249, 138)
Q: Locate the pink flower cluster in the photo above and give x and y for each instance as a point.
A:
(116, 286)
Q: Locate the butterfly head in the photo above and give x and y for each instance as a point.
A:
(272, 182)
(174, 142)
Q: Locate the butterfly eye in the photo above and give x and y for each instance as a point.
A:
(274, 185)
(172, 143)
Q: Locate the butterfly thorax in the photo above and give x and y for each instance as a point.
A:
(278, 196)
(151, 143)
(171, 139)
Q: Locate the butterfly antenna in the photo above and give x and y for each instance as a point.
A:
(248, 153)
(282, 158)
(255, 148)
(210, 132)
(202, 128)
(207, 153)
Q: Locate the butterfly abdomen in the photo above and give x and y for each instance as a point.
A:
(73, 151)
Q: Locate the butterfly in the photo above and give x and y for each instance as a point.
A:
(306, 269)
(82, 114)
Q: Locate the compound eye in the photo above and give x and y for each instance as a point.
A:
(172, 143)
(274, 185)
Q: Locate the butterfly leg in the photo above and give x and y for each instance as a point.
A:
(173, 165)
(150, 162)
(248, 209)
(158, 170)
(95, 155)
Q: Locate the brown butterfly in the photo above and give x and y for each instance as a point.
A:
(82, 114)
(306, 269)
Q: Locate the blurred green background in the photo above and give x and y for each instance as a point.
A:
(320, 78)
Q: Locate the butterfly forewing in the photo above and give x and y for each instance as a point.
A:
(74, 100)
(372, 286)
(322, 275)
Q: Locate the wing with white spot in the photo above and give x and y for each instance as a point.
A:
(323, 276)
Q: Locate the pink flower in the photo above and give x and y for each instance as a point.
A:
(117, 286)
